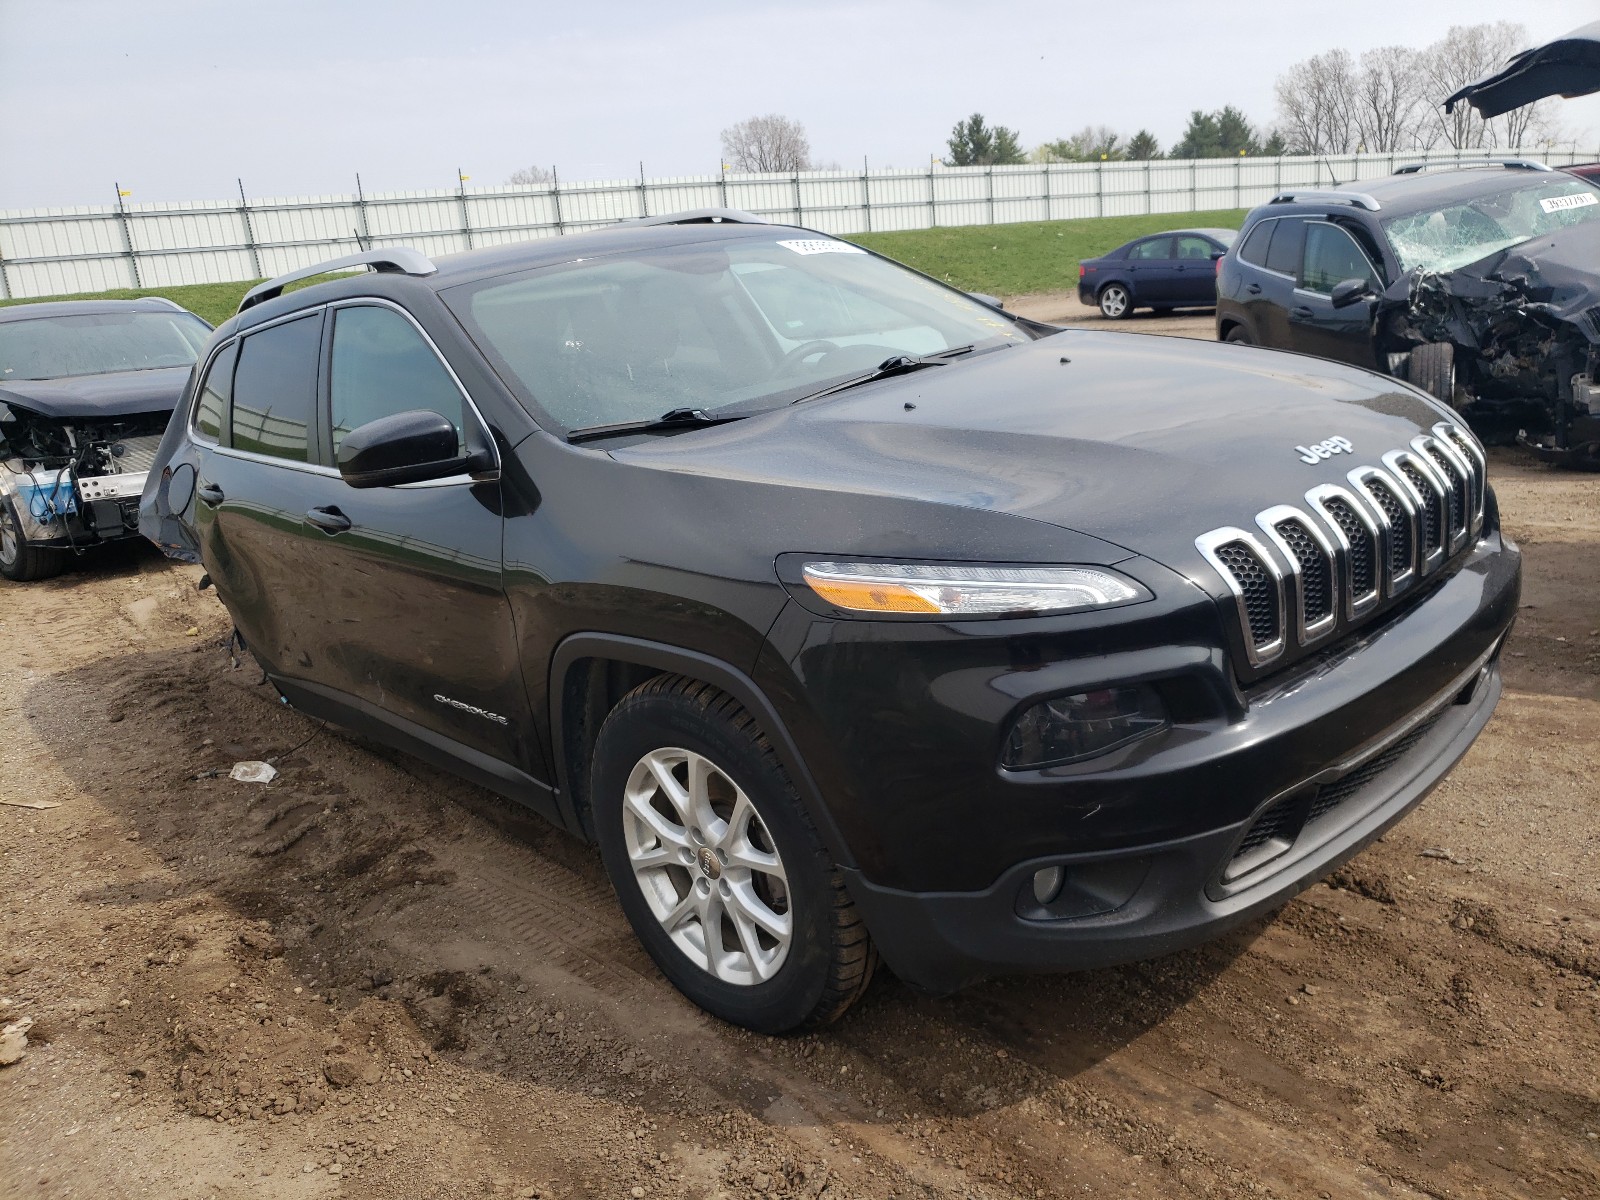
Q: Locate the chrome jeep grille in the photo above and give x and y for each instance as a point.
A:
(1316, 568)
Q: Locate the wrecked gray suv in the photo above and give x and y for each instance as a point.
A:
(86, 389)
(1479, 284)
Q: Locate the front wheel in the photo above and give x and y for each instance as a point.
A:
(716, 864)
(1239, 336)
(1432, 367)
(1115, 302)
(20, 560)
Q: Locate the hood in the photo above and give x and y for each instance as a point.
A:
(1568, 66)
(95, 396)
(1144, 442)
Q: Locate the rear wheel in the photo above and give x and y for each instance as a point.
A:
(21, 560)
(1115, 302)
(1432, 368)
(716, 864)
(1238, 334)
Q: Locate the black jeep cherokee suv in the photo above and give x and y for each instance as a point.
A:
(849, 615)
(1479, 284)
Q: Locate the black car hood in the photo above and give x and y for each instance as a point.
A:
(1568, 66)
(1144, 442)
(93, 396)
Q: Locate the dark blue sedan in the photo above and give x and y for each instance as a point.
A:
(1176, 269)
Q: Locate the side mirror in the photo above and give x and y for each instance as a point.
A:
(407, 447)
(1216, 254)
(991, 301)
(1348, 291)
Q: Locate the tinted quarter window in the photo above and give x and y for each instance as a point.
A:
(382, 366)
(1154, 248)
(1332, 256)
(1287, 238)
(215, 392)
(1196, 247)
(1254, 250)
(274, 388)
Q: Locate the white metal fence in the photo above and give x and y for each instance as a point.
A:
(51, 251)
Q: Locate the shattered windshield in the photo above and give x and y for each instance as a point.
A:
(729, 327)
(98, 344)
(1442, 239)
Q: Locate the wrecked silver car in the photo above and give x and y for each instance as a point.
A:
(1479, 284)
(86, 390)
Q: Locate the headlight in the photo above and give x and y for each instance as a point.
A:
(967, 591)
(1068, 728)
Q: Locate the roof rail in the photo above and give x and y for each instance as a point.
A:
(703, 216)
(1301, 195)
(1510, 164)
(398, 260)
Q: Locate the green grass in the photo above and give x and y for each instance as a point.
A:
(1006, 260)
(1019, 260)
(216, 302)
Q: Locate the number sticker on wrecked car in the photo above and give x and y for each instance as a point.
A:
(1552, 204)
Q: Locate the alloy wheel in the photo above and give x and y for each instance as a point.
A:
(10, 539)
(1113, 301)
(707, 866)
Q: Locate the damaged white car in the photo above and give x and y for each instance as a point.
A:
(86, 390)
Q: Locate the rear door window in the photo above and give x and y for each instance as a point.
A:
(1284, 254)
(215, 392)
(382, 366)
(274, 390)
(1254, 250)
(1332, 256)
(1153, 248)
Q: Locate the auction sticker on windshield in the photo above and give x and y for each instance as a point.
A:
(819, 246)
(1576, 200)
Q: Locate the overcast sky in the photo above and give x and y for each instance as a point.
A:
(174, 99)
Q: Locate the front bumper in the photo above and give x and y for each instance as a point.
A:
(58, 508)
(1167, 896)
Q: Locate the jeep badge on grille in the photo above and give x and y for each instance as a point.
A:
(1327, 449)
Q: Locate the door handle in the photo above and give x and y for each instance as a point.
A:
(210, 493)
(329, 520)
(1301, 313)
(1254, 289)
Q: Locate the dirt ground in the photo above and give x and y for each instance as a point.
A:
(371, 979)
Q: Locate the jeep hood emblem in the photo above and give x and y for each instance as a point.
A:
(1325, 450)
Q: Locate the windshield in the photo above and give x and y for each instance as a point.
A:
(99, 343)
(1442, 239)
(744, 325)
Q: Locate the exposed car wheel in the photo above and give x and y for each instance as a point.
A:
(1239, 334)
(1115, 303)
(716, 864)
(1432, 367)
(20, 559)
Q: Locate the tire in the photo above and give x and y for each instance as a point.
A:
(1116, 304)
(1239, 335)
(692, 875)
(20, 560)
(1432, 367)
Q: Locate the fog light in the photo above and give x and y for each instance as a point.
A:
(1047, 884)
(1068, 728)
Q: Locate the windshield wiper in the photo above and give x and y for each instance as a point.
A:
(677, 418)
(899, 364)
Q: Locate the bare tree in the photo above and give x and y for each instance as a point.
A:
(769, 143)
(1316, 104)
(1390, 108)
(531, 177)
(1466, 53)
